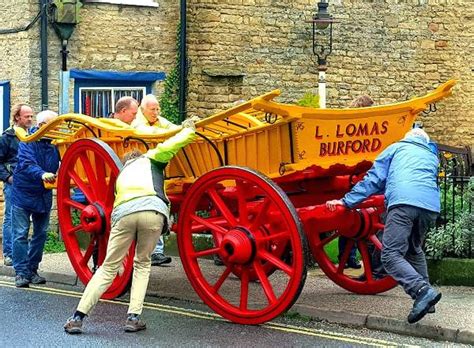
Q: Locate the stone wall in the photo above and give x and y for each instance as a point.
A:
(392, 50)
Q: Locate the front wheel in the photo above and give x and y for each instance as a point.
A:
(250, 223)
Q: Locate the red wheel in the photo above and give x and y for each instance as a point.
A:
(255, 230)
(365, 281)
(91, 166)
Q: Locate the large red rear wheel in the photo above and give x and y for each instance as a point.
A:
(251, 224)
(368, 280)
(91, 166)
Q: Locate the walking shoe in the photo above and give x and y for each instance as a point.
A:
(73, 325)
(7, 261)
(158, 259)
(134, 323)
(353, 263)
(425, 299)
(37, 279)
(22, 282)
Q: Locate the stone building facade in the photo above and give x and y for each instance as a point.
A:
(238, 49)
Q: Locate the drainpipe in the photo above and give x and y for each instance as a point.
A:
(182, 62)
(44, 54)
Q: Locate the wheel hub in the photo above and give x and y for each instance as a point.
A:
(238, 246)
(93, 219)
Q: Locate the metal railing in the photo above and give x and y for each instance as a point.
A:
(455, 180)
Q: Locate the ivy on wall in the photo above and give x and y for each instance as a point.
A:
(169, 100)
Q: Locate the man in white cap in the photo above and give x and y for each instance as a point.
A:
(406, 171)
(38, 162)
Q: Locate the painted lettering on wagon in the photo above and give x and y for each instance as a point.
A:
(351, 145)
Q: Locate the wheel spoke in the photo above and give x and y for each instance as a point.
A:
(205, 253)
(373, 238)
(266, 286)
(82, 186)
(345, 256)
(90, 174)
(265, 255)
(222, 206)
(221, 280)
(209, 225)
(73, 230)
(273, 237)
(243, 211)
(326, 241)
(366, 260)
(74, 204)
(100, 171)
(87, 255)
(244, 289)
(110, 191)
(258, 220)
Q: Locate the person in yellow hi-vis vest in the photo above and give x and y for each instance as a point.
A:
(141, 211)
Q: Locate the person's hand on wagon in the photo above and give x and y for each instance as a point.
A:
(332, 205)
(190, 122)
(49, 177)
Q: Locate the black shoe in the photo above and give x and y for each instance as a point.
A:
(22, 282)
(159, 259)
(426, 298)
(37, 279)
(353, 263)
(134, 323)
(73, 325)
(217, 260)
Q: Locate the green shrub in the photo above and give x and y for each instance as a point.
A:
(309, 100)
(53, 244)
(455, 238)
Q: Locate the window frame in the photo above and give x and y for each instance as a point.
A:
(108, 88)
(88, 79)
(143, 3)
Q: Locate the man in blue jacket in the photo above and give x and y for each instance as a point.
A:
(406, 171)
(22, 116)
(38, 162)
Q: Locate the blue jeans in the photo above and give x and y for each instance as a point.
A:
(28, 255)
(160, 246)
(7, 242)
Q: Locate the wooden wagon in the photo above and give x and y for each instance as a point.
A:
(251, 189)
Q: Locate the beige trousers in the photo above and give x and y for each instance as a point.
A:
(145, 227)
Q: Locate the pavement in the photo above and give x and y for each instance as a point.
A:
(320, 299)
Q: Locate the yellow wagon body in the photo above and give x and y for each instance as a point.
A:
(273, 138)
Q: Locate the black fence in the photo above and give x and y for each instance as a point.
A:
(456, 183)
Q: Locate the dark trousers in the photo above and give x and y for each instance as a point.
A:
(402, 254)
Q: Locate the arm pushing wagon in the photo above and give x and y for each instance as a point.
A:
(253, 185)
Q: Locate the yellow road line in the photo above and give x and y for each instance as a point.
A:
(211, 316)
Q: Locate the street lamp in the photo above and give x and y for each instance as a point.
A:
(322, 45)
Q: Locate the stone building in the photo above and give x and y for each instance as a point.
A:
(238, 49)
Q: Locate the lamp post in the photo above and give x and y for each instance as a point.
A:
(322, 45)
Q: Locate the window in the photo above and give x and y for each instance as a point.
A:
(4, 104)
(96, 92)
(148, 3)
(100, 101)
